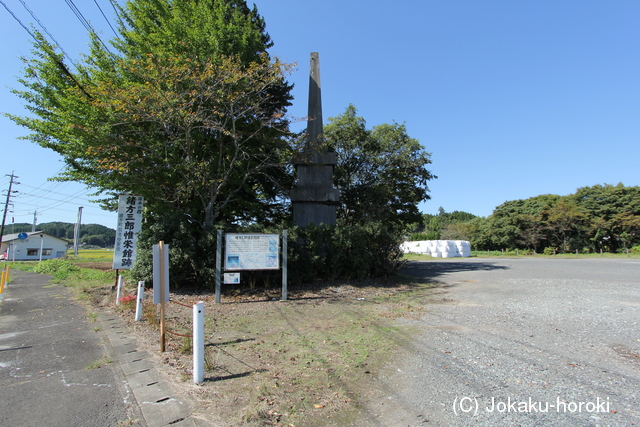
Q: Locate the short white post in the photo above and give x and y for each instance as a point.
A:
(119, 289)
(139, 300)
(198, 342)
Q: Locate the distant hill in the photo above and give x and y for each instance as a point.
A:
(91, 234)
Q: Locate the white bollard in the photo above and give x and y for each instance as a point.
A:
(198, 342)
(119, 289)
(139, 300)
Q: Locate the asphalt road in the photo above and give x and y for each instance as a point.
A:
(520, 342)
(53, 369)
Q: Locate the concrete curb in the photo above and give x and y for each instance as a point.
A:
(158, 404)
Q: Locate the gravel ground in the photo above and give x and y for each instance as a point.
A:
(520, 342)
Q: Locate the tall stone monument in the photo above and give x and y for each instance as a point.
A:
(314, 200)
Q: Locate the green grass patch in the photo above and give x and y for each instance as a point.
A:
(92, 255)
(67, 273)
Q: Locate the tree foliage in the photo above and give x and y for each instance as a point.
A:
(187, 109)
(188, 113)
(381, 172)
(444, 225)
(597, 218)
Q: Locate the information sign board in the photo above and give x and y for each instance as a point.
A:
(129, 225)
(252, 252)
(231, 278)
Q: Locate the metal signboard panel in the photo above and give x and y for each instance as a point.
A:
(252, 252)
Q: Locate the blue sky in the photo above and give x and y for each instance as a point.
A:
(513, 98)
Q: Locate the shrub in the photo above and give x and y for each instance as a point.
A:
(344, 252)
(635, 249)
(314, 252)
(60, 269)
(192, 253)
(425, 235)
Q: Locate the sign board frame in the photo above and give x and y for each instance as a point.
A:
(245, 251)
(129, 225)
(249, 249)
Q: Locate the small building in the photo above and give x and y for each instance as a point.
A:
(36, 246)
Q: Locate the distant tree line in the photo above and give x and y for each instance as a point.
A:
(90, 234)
(443, 226)
(601, 218)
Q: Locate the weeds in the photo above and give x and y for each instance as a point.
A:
(186, 346)
(99, 363)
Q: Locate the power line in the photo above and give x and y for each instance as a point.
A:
(45, 48)
(33, 15)
(86, 23)
(105, 18)
(18, 20)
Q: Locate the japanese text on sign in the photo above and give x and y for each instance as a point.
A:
(252, 252)
(129, 224)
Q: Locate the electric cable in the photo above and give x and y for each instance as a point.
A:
(105, 18)
(58, 45)
(85, 22)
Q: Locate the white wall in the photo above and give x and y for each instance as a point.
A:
(29, 248)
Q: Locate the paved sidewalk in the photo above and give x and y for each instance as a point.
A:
(57, 367)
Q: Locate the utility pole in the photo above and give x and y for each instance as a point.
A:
(35, 219)
(76, 233)
(6, 205)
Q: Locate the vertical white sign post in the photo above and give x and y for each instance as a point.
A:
(161, 283)
(139, 301)
(198, 342)
(119, 289)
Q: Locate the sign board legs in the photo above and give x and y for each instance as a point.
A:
(162, 296)
(284, 265)
(218, 264)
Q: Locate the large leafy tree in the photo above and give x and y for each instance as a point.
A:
(601, 217)
(381, 173)
(614, 212)
(186, 109)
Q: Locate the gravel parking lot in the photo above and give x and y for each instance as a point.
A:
(520, 342)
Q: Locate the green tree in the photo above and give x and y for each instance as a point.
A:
(189, 112)
(565, 220)
(613, 212)
(445, 225)
(381, 172)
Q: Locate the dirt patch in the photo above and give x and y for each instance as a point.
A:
(311, 360)
(95, 265)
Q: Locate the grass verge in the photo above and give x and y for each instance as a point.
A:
(310, 361)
